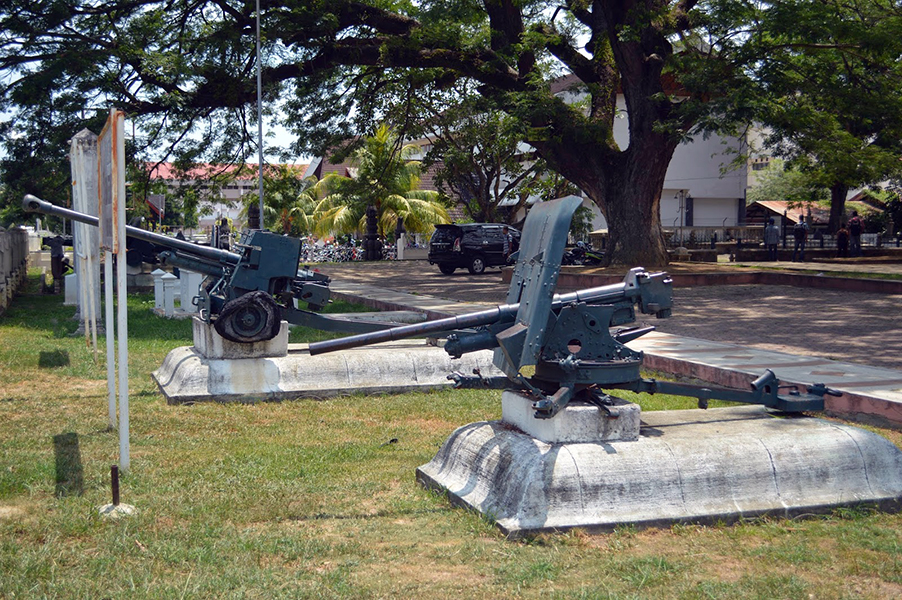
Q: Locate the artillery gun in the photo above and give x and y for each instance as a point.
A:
(246, 294)
(568, 337)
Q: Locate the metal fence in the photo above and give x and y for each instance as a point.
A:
(753, 235)
(13, 264)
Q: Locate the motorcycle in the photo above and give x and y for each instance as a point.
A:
(582, 254)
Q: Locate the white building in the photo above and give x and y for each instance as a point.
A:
(221, 189)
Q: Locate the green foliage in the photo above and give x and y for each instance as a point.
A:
(823, 75)
(780, 181)
(287, 201)
(581, 224)
(830, 91)
(479, 155)
(386, 179)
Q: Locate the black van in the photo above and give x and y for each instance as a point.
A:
(471, 245)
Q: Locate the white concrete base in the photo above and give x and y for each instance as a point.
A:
(186, 375)
(578, 422)
(71, 289)
(116, 511)
(209, 344)
(691, 465)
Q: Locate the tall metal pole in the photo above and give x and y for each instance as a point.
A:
(259, 119)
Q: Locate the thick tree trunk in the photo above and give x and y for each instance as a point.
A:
(632, 207)
(627, 190)
(838, 193)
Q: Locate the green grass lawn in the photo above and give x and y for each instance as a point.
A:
(306, 499)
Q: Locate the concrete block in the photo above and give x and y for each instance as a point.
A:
(170, 286)
(687, 466)
(210, 344)
(157, 275)
(70, 286)
(189, 286)
(578, 422)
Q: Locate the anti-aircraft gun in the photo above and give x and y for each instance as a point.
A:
(568, 337)
(246, 294)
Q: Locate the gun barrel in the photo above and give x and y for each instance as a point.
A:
(35, 204)
(629, 289)
(475, 319)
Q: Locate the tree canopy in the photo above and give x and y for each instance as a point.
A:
(185, 72)
(835, 114)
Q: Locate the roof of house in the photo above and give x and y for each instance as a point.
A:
(168, 171)
(793, 211)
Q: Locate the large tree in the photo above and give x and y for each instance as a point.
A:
(835, 114)
(478, 155)
(682, 66)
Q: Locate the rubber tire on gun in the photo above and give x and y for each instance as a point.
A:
(253, 317)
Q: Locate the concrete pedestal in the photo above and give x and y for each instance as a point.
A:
(579, 422)
(215, 369)
(189, 287)
(691, 465)
(71, 289)
(209, 344)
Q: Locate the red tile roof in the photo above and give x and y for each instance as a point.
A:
(167, 171)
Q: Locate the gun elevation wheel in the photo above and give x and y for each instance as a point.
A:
(253, 317)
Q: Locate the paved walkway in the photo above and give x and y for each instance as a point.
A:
(870, 393)
(838, 266)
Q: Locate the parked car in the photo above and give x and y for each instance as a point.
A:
(473, 246)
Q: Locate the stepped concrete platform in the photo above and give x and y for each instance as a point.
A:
(703, 466)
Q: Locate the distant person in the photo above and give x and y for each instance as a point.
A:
(57, 260)
(224, 232)
(771, 239)
(842, 241)
(507, 241)
(855, 227)
(800, 233)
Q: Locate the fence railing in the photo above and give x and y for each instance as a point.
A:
(752, 235)
(13, 264)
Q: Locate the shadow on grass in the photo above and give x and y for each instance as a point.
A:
(70, 477)
(380, 514)
(53, 358)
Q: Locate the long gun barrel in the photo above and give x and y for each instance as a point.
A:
(35, 204)
(630, 290)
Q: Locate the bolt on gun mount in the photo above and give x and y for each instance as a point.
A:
(568, 337)
(246, 294)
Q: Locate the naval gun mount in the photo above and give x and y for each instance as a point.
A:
(576, 352)
(568, 338)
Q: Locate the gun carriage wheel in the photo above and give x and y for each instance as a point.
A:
(253, 317)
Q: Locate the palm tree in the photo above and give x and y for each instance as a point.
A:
(288, 204)
(381, 196)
